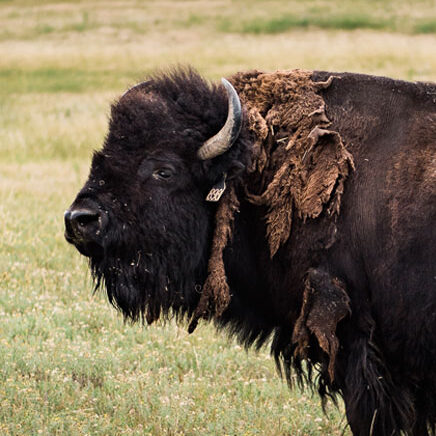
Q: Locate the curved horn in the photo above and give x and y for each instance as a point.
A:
(226, 137)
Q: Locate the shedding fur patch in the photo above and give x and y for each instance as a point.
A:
(303, 165)
(325, 303)
(299, 164)
(215, 295)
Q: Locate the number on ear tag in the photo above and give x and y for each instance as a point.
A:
(217, 190)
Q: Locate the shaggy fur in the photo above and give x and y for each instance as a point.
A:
(334, 265)
(304, 166)
(216, 291)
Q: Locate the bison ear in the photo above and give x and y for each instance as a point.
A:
(236, 168)
(325, 303)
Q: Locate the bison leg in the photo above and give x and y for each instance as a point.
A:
(375, 403)
(420, 428)
(425, 406)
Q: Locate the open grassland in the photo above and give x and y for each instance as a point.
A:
(68, 363)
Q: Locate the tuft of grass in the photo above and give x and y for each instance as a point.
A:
(83, 25)
(193, 20)
(43, 29)
(275, 25)
(425, 26)
(353, 22)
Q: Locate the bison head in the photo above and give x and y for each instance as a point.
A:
(142, 218)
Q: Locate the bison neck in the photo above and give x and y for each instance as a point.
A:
(266, 294)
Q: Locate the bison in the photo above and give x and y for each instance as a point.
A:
(296, 207)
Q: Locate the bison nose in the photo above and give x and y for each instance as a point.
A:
(82, 223)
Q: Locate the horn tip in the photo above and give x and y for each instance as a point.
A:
(227, 84)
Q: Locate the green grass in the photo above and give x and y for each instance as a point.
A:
(68, 363)
(380, 16)
(57, 80)
(135, 18)
(425, 26)
(337, 21)
(288, 22)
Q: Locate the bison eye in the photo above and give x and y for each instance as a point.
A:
(163, 173)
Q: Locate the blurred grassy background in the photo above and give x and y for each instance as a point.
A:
(68, 364)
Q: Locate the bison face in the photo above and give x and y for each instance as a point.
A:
(141, 218)
(144, 228)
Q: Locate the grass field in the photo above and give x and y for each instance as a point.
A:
(68, 363)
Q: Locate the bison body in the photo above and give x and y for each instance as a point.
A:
(350, 288)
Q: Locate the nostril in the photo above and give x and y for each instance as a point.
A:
(81, 217)
(85, 217)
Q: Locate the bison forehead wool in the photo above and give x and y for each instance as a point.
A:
(300, 166)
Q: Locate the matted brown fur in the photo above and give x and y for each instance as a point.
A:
(325, 303)
(300, 166)
(216, 292)
(303, 165)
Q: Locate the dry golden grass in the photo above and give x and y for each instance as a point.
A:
(411, 57)
(134, 38)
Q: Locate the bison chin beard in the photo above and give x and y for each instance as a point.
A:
(144, 286)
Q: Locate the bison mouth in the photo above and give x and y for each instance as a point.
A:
(86, 248)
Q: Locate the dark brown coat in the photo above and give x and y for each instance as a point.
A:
(324, 240)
